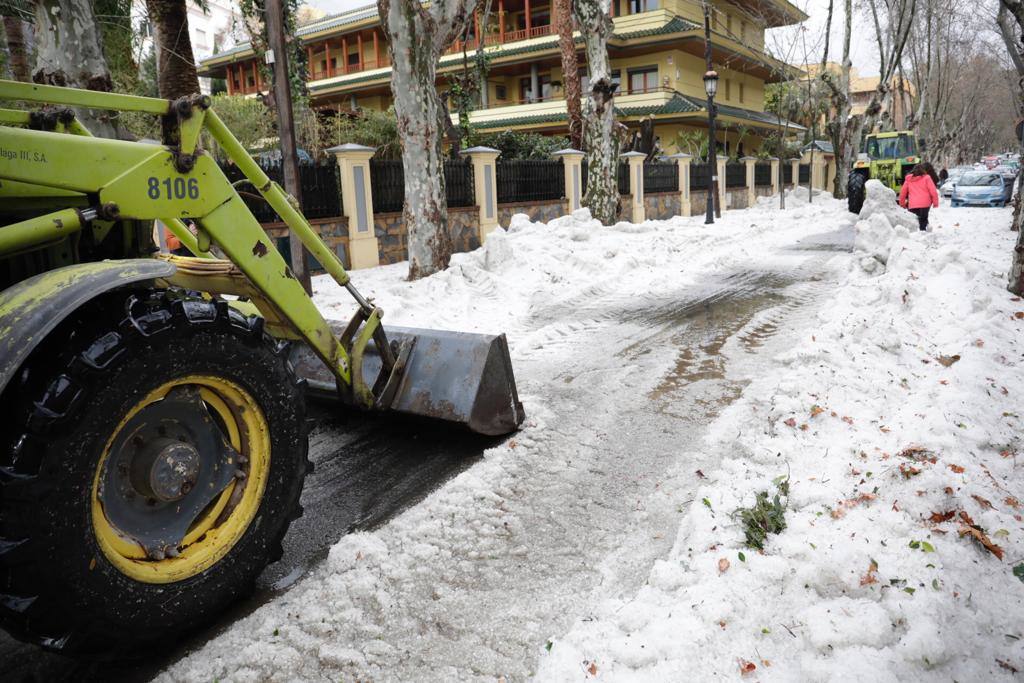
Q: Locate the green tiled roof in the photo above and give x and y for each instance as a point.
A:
(677, 25)
(756, 116)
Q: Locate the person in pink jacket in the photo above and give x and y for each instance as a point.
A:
(919, 194)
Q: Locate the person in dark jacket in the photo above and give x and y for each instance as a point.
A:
(943, 174)
(930, 170)
(919, 194)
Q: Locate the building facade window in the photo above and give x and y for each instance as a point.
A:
(728, 88)
(643, 80)
(638, 6)
(526, 94)
(500, 92)
(742, 94)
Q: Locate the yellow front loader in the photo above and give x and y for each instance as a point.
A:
(153, 437)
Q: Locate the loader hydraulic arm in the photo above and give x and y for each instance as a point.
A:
(179, 181)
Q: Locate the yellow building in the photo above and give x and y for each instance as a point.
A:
(863, 87)
(657, 53)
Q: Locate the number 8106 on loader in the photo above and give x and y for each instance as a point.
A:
(153, 441)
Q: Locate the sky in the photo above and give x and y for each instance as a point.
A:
(862, 47)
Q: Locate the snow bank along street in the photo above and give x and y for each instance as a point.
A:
(670, 372)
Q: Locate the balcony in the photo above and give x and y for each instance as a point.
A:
(553, 107)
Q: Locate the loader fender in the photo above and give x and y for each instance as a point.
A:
(31, 309)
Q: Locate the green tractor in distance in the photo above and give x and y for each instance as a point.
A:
(888, 157)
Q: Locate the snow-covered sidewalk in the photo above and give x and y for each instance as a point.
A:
(600, 541)
(896, 424)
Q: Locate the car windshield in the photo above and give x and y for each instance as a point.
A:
(980, 180)
(902, 145)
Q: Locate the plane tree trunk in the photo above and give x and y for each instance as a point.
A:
(571, 86)
(600, 135)
(417, 36)
(18, 34)
(69, 52)
(1015, 8)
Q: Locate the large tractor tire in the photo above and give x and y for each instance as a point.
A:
(155, 452)
(855, 192)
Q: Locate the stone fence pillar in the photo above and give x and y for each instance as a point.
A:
(357, 198)
(572, 163)
(776, 169)
(485, 187)
(795, 180)
(683, 160)
(751, 192)
(818, 172)
(721, 182)
(636, 183)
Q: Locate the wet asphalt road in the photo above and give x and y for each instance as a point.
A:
(368, 469)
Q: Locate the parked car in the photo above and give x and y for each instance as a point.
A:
(982, 189)
(946, 188)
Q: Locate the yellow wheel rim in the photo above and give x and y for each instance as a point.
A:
(216, 531)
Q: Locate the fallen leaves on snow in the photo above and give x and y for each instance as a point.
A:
(968, 527)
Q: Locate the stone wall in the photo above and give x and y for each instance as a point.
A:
(736, 198)
(392, 239)
(698, 202)
(333, 231)
(539, 211)
(763, 191)
(661, 205)
(626, 208)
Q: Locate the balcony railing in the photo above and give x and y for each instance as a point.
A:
(317, 72)
(500, 39)
(561, 98)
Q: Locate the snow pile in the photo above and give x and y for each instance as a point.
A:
(896, 422)
(883, 223)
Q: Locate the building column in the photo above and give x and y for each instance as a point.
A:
(572, 165)
(751, 192)
(636, 183)
(357, 200)
(485, 187)
(795, 180)
(776, 167)
(534, 82)
(722, 192)
(683, 160)
(529, 20)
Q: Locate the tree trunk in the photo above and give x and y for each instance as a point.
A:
(417, 35)
(571, 86)
(599, 133)
(1016, 9)
(69, 53)
(19, 46)
(176, 67)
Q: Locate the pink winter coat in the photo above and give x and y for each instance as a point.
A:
(918, 192)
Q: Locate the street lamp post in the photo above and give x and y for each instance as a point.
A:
(711, 87)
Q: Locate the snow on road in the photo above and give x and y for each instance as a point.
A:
(897, 421)
(581, 547)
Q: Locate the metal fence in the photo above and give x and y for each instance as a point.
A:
(787, 173)
(387, 182)
(735, 175)
(528, 180)
(623, 178)
(763, 173)
(699, 176)
(321, 190)
(805, 173)
(661, 177)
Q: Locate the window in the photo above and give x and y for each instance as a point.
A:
(643, 80)
(743, 31)
(638, 6)
(741, 93)
(200, 38)
(525, 95)
(728, 88)
(500, 92)
(728, 24)
(353, 58)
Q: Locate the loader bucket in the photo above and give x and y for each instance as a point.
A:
(459, 377)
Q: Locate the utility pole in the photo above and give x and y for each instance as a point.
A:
(710, 87)
(274, 18)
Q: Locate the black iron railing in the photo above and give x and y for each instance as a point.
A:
(661, 177)
(735, 175)
(763, 173)
(526, 180)
(805, 173)
(623, 178)
(699, 174)
(458, 183)
(387, 185)
(321, 191)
